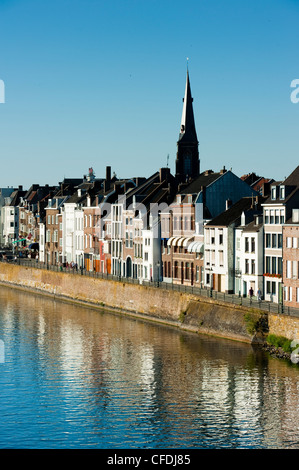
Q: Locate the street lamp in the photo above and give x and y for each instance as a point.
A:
(158, 267)
(282, 294)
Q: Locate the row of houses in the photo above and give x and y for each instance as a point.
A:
(216, 232)
(211, 229)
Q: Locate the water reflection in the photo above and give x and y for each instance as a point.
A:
(77, 377)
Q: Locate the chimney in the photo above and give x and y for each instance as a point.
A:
(224, 170)
(107, 181)
(164, 174)
(243, 219)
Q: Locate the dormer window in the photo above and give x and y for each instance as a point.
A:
(282, 192)
(273, 193)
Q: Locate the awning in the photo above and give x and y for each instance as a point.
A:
(180, 241)
(195, 247)
(169, 242)
(187, 241)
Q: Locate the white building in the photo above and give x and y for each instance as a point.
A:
(249, 257)
(10, 223)
(220, 243)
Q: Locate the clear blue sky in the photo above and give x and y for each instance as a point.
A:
(96, 83)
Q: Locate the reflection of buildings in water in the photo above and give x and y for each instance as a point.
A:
(247, 406)
(281, 405)
(181, 380)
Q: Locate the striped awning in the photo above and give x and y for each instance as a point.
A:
(170, 240)
(195, 247)
(187, 241)
(179, 241)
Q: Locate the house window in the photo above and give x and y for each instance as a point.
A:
(253, 245)
(289, 269)
(277, 216)
(246, 244)
(268, 240)
(220, 238)
(187, 271)
(282, 192)
(246, 266)
(272, 217)
(273, 265)
(279, 265)
(279, 240)
(274, 240)
(273, 192)
(266, 216)
(268, 287)
(252, 266)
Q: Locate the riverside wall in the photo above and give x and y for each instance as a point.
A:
(183, 310)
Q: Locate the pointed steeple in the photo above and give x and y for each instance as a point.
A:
(187, 129)
(187, 160)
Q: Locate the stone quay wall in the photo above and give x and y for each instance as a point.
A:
(183, 310)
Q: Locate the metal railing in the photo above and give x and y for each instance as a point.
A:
(235, 299)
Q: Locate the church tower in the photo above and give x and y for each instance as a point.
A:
(187, 159)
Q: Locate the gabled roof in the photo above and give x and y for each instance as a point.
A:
(203, 180)
(233, 214)
(293, 178)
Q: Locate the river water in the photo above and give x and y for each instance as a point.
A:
(78, 378)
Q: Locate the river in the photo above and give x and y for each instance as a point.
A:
(73, 377)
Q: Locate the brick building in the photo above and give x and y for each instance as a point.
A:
(290, 242)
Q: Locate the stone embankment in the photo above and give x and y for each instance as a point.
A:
(183, 310)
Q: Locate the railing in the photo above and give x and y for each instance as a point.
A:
(235, 299)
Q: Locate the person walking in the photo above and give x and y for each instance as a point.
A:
(259, 295)
(250, 292)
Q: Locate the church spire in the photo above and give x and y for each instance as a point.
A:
(187, 161)
(187, 129)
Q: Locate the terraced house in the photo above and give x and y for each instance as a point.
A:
(277, 209)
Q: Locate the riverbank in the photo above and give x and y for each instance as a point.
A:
(182, 310)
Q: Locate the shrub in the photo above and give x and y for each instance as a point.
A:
(280, 342)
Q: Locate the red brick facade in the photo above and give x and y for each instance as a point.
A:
(291, 265)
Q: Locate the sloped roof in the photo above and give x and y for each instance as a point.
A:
(234, 213)
(203, 180)
(293, 178)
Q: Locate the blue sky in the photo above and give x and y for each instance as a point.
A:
(96, 83)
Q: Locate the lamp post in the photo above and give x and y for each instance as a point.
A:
(158, 268)
(282, 294)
